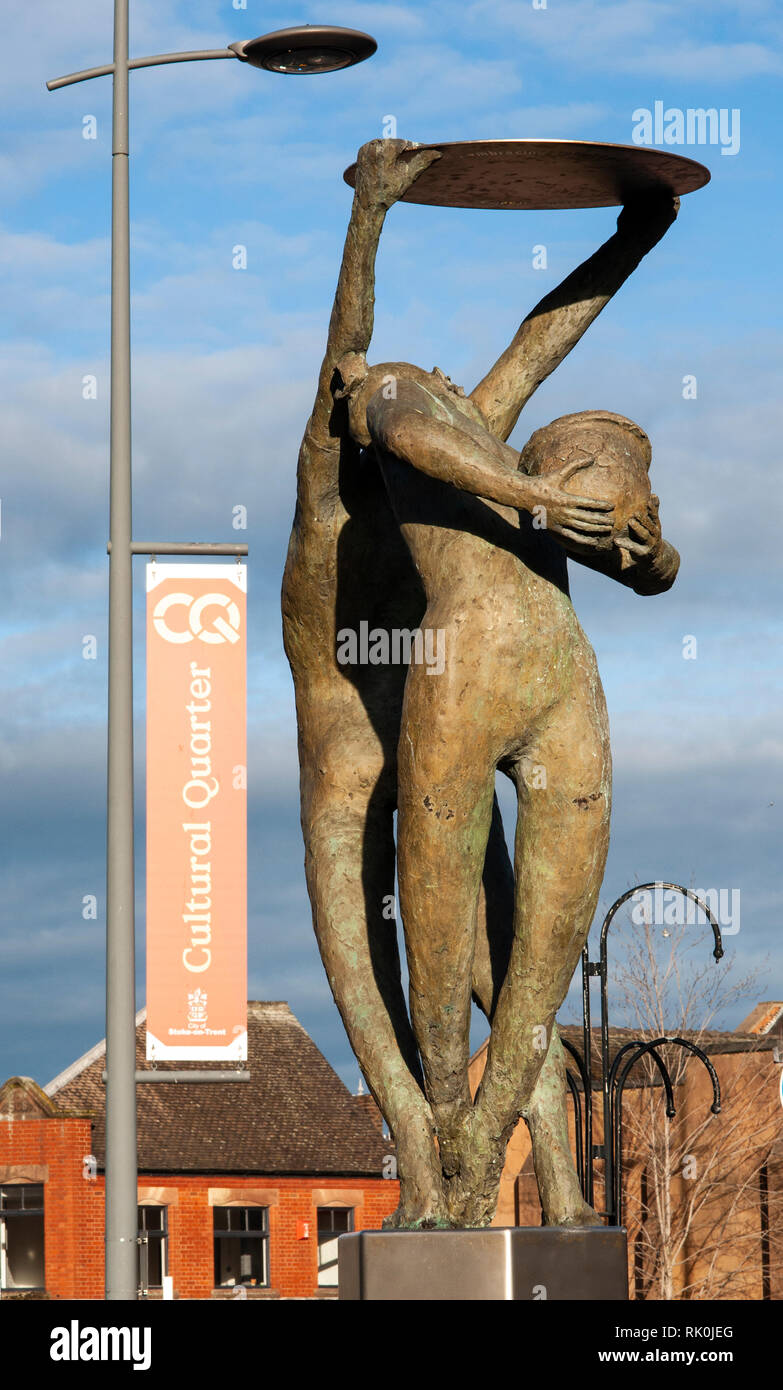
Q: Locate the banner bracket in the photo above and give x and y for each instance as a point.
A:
(153, 548)
(187, 1077)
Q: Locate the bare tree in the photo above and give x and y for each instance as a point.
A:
(703, 1192)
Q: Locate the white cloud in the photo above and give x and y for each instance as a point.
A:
(639, 37)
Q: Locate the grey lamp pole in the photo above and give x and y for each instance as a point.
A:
(308, 49)
(121, 1164)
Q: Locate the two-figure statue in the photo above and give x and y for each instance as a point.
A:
(415, 521)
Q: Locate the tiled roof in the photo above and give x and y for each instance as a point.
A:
(293, 1116)
(764, 1018)
(711, 1041)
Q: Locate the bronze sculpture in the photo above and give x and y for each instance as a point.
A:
(414, 514)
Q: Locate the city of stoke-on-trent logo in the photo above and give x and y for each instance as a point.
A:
(197, 1008)
(222, 629)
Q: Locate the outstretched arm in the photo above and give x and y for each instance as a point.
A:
(557, 323)
(439, 449)
(385, 171)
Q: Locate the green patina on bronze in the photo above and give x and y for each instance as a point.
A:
(414, 513)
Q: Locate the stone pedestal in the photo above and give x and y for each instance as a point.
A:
(498, 1263)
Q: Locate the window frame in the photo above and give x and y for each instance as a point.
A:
(332, 1207)
(7, 1216)
(261, 1236)
(159, 1237)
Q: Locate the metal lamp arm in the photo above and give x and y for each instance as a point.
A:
(197, 55)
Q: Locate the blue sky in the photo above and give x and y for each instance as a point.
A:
(224, 370)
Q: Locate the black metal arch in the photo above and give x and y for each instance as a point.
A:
(616, 1095)
(613, 1082)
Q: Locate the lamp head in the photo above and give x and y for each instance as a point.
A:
(309, 48)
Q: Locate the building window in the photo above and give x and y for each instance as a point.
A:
(22, 1236)
(333, 1222)
(152, 1261)
(241, 1246)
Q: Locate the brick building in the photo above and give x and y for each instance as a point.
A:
(243, 1187)
(706, 1188)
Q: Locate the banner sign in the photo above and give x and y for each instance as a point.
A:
(196, 812)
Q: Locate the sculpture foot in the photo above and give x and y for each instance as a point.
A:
(421, 1208)
(583, 1215)
(472, 1192)
(404, 1219)
(422, 1205)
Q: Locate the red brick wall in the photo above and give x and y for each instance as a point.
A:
(293, 1261)
(73, 1206)
(73, 1214)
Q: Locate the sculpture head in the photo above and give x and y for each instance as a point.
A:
(619, 452)
(360, 383)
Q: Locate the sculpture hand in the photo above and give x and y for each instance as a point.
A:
(647, 530)
(386, 169)
(583, 519)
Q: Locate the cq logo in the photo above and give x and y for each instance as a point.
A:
(223, 629)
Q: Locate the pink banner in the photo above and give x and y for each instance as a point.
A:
(196, 812)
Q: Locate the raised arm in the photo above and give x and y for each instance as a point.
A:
(385, 171)
(557, 323)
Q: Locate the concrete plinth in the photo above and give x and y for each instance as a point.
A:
(518, 1263)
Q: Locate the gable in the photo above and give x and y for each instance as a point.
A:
(21, 1098)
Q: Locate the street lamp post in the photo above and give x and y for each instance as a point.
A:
(309, 49)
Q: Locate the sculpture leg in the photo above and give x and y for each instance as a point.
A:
(350, 871)
(561, 845)
(547, 1114)
(547, 1119)
(446, 794)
